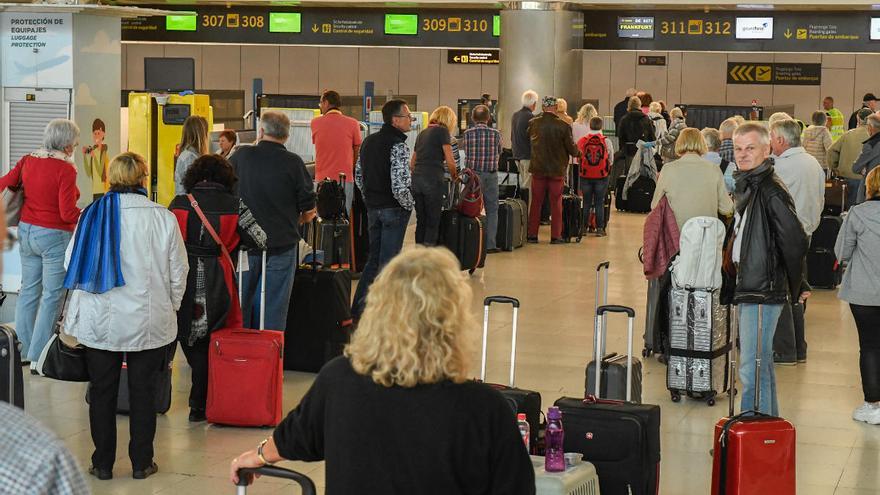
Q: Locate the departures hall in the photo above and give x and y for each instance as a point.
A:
(439, 247)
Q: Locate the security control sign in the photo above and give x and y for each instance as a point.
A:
(473, 57)
(774, 73)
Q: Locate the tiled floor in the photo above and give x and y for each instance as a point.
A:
(556, 287)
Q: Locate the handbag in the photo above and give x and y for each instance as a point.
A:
(13, 201)
(63, 358)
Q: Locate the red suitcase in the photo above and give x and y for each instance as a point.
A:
(754, 453)
(245, 367)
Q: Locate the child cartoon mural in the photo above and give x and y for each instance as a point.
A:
(96, 160)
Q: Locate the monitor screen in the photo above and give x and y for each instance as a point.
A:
(754, 28)
(285, 22)
(875, 28)
(635, 27)
(183, 21)
(169, 74)
(406, 24)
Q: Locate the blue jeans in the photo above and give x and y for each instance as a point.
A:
(489, 184)
(855, 191)
(594, 196)
(42, 277)
(387, 229)
(280, 270)
(748, 339)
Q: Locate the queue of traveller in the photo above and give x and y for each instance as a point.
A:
(408, 348)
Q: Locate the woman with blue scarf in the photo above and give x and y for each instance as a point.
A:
(126, 271)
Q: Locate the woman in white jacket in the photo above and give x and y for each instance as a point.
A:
(127, 270)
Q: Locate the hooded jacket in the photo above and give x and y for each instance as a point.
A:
(774, 244)
(858, 243)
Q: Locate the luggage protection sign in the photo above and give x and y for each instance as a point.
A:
(37, 50)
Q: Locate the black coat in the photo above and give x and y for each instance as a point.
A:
(774, 245)
(620, 111)
(634, 126)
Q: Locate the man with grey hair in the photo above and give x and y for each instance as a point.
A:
(621, 108)
(870, 156)
(521, 145)
(726, 130)
(276, 186)
(713, 155)
(805, 180)
(845, 151)
(768, 268)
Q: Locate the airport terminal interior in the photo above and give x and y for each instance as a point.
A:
(142, 68)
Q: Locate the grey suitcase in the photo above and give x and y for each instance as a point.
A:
(613, 381)
(656, 317)
(699, 345)
(512, 225)
(11, 379)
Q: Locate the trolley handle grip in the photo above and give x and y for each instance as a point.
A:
(501, 300)
(614, 308)
(605, 264)
(245, 477)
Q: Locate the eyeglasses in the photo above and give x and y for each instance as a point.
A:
(412, 118)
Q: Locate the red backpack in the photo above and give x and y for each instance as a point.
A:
(470, 202)
(594, 157)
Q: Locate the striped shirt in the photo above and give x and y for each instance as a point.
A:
(482, 148)
(726, 150)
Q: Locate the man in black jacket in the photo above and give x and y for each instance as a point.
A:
(768, 250)
(276, 186)
(868, 101)
(621, 107)
(382, 174)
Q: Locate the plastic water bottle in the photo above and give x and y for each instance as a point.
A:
(554, 460)
(524, 430)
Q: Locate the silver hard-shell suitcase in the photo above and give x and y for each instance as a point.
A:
(699, 344)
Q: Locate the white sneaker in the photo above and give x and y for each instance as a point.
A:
(868, 413)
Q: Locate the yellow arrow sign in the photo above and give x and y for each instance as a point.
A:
(315, 28)
(787, 34)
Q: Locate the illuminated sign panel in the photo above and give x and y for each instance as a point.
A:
(402, 24)
(285, 22)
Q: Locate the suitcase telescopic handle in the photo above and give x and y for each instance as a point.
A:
(502, 300)
(245, 474)
(486, 303)
(613, 308)
(604, 266)
(601, 331)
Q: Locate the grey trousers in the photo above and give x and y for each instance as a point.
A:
(489, 183)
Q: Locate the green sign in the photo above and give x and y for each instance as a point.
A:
(406, 24)
(496, 25)
(185, 21)
(285, 22)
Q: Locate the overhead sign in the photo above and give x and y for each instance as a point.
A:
(470, 57)
(774, 73)
(36, 50)
(717, 31)
(278, 25)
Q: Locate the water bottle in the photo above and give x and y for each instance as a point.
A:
(524, 430)
(554, 460)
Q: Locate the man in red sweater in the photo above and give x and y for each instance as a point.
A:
(48, 217)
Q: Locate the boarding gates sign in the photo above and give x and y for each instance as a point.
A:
(36, 50)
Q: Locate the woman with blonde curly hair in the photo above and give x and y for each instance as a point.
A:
(397, 414)
(432, 157)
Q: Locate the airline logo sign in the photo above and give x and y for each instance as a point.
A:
(778, 73)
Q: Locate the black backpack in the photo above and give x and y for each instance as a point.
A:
(331, 200)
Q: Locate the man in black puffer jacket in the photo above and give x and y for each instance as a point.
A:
(768, 247)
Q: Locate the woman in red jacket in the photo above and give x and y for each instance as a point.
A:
(48, 217)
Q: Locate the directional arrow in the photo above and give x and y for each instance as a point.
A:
(748, 73)
(733, 73)
(315, 28)
(456, 58)
(787, 33)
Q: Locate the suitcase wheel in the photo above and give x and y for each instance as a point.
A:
(710, 402)
(647, 352)
(676, 397)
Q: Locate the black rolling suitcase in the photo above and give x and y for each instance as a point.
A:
(835, 197)
(334, 239)
(616, 380)
(640, 194)
(823, 270)
(360, 233)
(572, 217)
(657, 316)
(11, 379)
(512, 224)
(319, 319)
(465, 237)
(619, 203)
(527, 402)
(621, 439)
